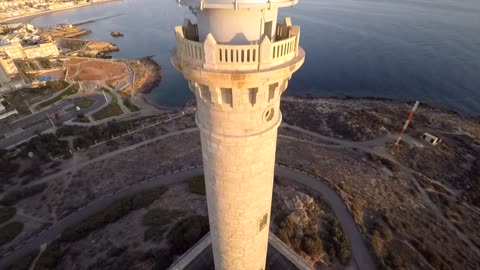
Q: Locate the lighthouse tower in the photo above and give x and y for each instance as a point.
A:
(237, 59)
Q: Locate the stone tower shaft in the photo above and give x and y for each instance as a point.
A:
(237, 61)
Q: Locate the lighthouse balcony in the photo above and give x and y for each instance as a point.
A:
(263, 54)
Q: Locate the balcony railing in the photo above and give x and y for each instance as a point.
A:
(211, 55)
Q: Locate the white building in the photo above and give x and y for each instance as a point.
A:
(17, 51)
(8, 66)
(431, 139)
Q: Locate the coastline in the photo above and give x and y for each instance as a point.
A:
(30, 17)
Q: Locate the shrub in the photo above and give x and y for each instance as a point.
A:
(156, 221)
(196, 185)
(15, 196)
(10, 231)
(84, 102)
(154, 234)
(73, 89)
(112, 213)
(24, 262)
(160, 217)
(291, 234)
(339, 245)
(55, 164)
(50, 257)
(32, 170)
(111, 110)
(312, 245)
(8, 169)
(185, 233)
(116, 251)
(132, 107)
(45, 145)
(7, 213)
(377, 243)
(57, 85)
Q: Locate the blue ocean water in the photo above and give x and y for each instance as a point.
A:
(427, 50)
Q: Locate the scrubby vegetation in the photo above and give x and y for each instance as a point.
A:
(55, 251)
(185, 233)
(310, 229)
(25, 262)
(385, 162)
(132, 107)
(7, 213)
(81, 119)
(156, 220)
(196, 185)
(8, 168)
(17, 195)
(45, 63)
(10, 231)
(388, 251)
(44, 147)
(50, 257)
(112, 109)
(354, 124)
(57, 85)
(112, 213)
(337, 244)
(305, 240)
(120, 258)
(84, 102)
(73, 89)
(86, 136)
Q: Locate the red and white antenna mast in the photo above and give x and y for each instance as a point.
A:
(409, 119)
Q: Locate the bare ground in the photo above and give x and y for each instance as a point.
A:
(417, 209)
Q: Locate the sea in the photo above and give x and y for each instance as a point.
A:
(426, 50)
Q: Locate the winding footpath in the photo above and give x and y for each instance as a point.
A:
(361, 257)
(408, 173)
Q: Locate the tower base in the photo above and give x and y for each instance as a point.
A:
(279, 256)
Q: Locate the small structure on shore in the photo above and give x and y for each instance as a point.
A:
(431, 139)
(116, 34)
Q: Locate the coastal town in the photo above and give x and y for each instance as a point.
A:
(50, 76)
(12, 10)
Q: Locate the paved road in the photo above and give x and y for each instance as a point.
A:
(43, 117)
(361, 255)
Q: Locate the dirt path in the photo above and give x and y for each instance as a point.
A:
(368, 147)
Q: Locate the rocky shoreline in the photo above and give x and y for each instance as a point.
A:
(438, 106)
(147, 75)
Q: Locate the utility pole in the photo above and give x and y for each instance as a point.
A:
(407, 123)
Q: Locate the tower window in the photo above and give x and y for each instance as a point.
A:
(227, 96)
(204, 92)
(268, 115)
(271, 91)
(252, 95)
(262, 223)
(268, 29)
